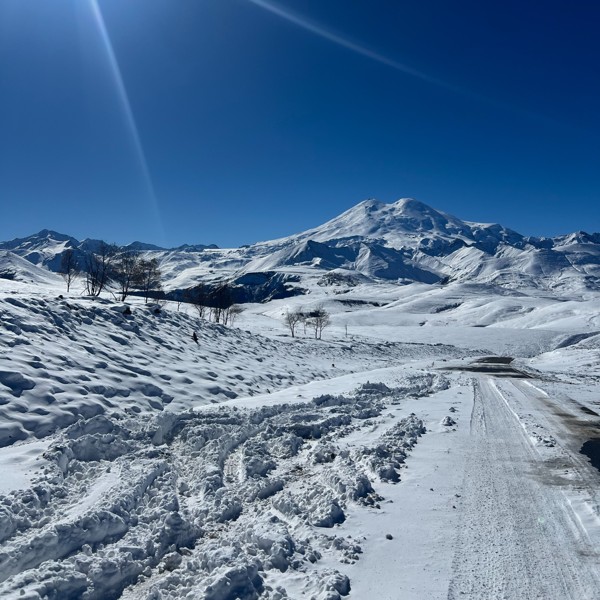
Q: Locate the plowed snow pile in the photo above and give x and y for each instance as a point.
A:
(205, 503)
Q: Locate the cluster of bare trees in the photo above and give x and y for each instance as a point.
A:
(315, 320)
(97, 268)
(125, 270)
(215, 304)
(133, 272)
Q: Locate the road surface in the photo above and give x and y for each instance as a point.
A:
(518, 537)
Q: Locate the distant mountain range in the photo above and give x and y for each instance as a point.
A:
(405, 242)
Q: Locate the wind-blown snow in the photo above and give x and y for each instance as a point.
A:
(64, 359)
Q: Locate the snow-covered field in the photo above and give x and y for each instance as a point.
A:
(385, 461)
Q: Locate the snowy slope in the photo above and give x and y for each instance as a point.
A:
(15, 268)
(63, 359)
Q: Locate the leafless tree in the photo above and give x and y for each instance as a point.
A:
(98, 268)
(233, 312)
(127, 273)
(150, 279)
(220, 301)
(198, 297)
(69, 269)
(318, 319)
(292, 319)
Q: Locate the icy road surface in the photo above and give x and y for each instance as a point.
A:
(518, 537)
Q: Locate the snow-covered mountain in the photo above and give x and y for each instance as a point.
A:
(411, 241)
(406, 241)
(15, 268)
(402, 223)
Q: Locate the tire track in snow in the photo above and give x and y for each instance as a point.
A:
(518, 540)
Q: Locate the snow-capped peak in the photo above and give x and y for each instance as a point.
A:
(412, 206)
(397, 223)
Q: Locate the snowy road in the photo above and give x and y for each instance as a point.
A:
(518, 537)
(368, 493)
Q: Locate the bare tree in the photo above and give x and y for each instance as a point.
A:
(216, 303)
(198, 297)
(318, 319)
(220, 301)
(150, 279)
(127, 273)
(98, 267)
(292, 319)
(233, 312)
(69, 269)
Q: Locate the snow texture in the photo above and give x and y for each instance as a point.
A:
(202, 503)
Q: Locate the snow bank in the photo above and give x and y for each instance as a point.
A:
(204, 504)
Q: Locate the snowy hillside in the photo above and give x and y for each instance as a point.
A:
(17, 269)
(139, 464)
(63, 359)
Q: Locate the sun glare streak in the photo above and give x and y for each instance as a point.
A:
(335, 38)
(128, 115)
(354, 47)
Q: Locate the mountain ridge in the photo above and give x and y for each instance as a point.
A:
(405, 241)
(416, 210)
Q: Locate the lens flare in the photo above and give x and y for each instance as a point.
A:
(354, 47)
(336, 38)
(132, 128)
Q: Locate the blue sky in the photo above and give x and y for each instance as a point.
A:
(234, 121)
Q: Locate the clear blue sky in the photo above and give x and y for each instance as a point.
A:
(234, 121)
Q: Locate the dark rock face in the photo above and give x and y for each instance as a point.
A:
(250, 287)
(262, 287)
